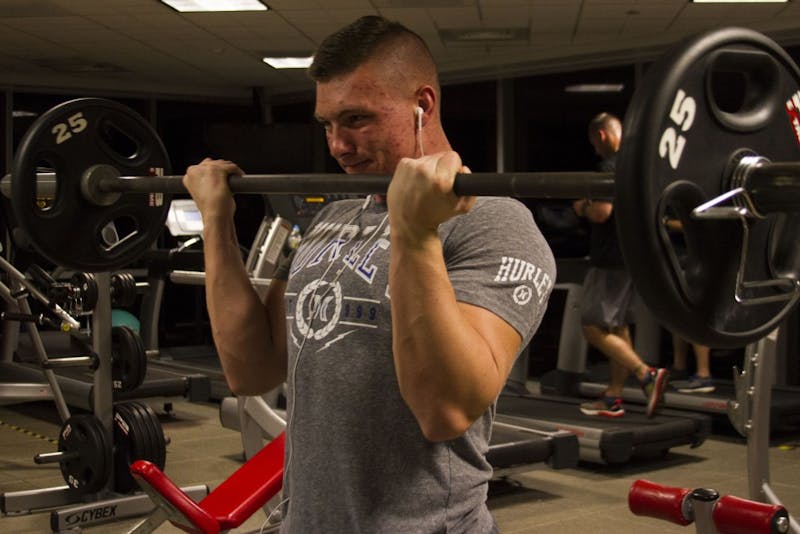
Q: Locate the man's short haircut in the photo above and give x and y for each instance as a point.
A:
(348, 48)
(605, 121)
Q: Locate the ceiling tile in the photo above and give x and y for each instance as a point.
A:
(173, 52)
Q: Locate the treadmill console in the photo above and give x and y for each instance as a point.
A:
(267, 246)
(183, 218)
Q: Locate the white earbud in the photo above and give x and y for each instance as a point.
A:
(418, 111)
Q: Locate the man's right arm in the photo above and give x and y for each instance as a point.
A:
(250, 336)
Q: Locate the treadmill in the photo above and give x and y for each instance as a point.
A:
(606, 440)
(555, 405)
(18, 365)
(573, 378)
(184, 267)
(784, 401)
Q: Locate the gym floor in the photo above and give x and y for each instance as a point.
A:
(589, 498)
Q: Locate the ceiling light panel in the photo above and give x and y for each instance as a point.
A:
(288, 62)
(595, 88)
(197, 6)
(483, 35)
(739, 1)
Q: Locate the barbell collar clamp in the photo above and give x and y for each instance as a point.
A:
(89, 185)
(771, 187)
(758, 188)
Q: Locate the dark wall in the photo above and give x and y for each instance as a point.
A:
(469, 118)
(550, 130)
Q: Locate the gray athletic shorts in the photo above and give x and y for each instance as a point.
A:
(607, 300)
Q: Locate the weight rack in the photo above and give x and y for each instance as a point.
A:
(72, 509)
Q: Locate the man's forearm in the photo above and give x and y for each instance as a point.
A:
(242, 327)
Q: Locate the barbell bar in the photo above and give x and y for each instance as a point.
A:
(770, 187)
(523, 184)
(555, 185)
(683, 146)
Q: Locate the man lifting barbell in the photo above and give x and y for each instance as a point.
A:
(398, 342)
(729, 175)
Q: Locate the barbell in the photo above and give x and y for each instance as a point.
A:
(727, 170)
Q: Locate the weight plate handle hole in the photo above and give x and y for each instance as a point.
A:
(117, 232)
(118, 141)
(743, 88)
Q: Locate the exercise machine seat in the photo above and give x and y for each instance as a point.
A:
(230, 504)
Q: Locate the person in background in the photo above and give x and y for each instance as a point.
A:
(608, 292)
(699, 382)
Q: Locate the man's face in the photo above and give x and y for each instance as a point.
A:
(369, 126)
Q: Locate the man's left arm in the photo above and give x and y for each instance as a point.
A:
(451, 358)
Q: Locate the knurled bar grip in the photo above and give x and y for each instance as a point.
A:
(772, 187)
(528, 184)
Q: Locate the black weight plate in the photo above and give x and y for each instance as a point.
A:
(128, 359)
(155, 432)
(88, 471)
(147, 433)
(138, 436)
(698, 108)
(123, 286)
(134, 440)
(151, 433)
(144, 433)
(130, 290)
(73, 232)
(127, 448)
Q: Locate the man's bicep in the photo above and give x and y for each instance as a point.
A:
(502, 339)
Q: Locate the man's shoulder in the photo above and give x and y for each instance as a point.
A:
(501, 204)
(490, 215)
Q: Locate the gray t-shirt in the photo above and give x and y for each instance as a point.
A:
(356, 459)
